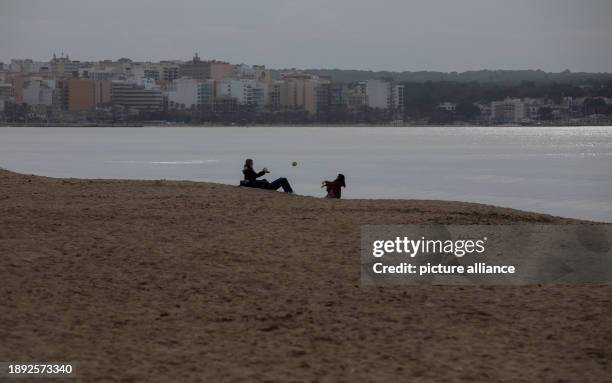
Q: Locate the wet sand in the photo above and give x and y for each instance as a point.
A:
(156, 281)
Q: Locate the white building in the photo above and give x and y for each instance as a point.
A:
(230, 88)
(38, 92)
(508, 111)
(183, 93)
(243, 71)
(450, 107)
(26, 66)
(355, 97)
(145, 82)
(485, 111)
(258, 73)
(136, 72)
(245, 91)
(384, 94)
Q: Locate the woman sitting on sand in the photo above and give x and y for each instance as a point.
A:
(334, 188)
(250, 179)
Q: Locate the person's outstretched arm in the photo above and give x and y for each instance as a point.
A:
(250, 175)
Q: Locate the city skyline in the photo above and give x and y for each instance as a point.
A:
(395, 36)
(182, 60)
(201, 91)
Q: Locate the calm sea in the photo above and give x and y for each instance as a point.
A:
(564, 171)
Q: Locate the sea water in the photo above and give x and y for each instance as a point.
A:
(564, 171)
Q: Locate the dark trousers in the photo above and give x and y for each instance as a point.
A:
(274, 185)
(281, 182)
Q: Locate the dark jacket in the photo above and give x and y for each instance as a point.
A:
(334, 189)
(251, 175)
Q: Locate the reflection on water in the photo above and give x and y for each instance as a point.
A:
(562, 171)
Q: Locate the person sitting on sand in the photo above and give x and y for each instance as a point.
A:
(251, 179)
(334, 188)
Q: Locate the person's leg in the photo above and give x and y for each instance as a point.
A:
(261, 184)
(281, 182)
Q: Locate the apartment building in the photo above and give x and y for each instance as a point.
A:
(384, 94)
(136, 97)
(6, 95)
(206, 94)
(204, 70)
(167, 71)
(37, 91)
(508, 111)
(63, 66)
(183, 93)
(245, 91)
(299, 91)
(86, 94)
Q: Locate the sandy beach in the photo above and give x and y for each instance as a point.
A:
(159, 281)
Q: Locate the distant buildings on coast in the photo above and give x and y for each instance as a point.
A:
(198, 90)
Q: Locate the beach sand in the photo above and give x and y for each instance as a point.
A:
(157, 281)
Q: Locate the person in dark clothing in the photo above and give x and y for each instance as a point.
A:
(334, 188)
(251, 179)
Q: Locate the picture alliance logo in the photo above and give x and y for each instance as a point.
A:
(422, 246)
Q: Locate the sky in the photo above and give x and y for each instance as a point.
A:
(397, 35)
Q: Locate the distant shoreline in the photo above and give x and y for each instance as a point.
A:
(172, 125)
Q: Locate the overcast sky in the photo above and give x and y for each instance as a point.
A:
(444, 35)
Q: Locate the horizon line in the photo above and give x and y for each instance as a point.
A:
(287, 68)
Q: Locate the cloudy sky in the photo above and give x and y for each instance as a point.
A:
(444, 35)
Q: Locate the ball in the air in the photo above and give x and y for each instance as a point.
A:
(294, 163)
